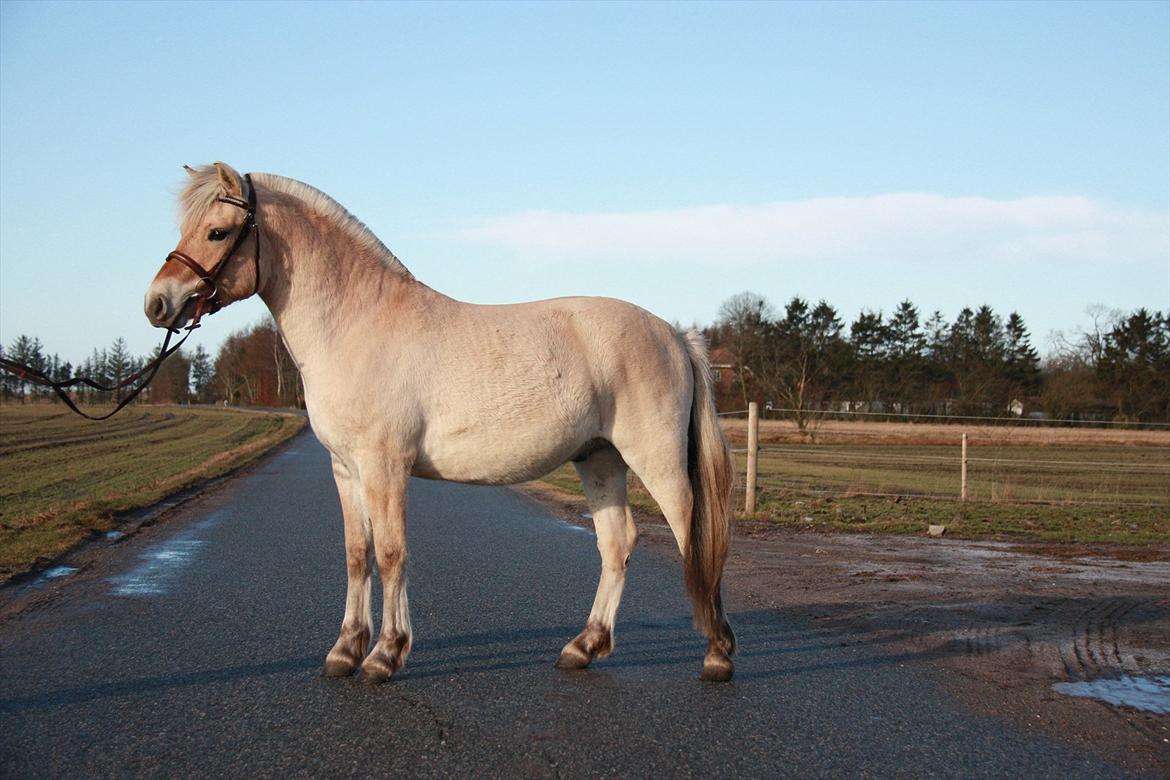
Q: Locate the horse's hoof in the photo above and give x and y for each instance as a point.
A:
(596, 641)
(717, 668)
(387, 657)
(339, 667)
(347, 653)
(571, 658)
(376, 673)
(376, 678)
(380, 667)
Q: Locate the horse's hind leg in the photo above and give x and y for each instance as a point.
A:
(351, 645)
(603, 477)
(664, 473)
(385, 498)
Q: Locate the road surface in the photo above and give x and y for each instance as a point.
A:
(193, 650)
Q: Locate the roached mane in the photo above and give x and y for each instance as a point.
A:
(203, 188)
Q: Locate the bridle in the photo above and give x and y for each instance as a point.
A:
(209, 303)
(209, 300)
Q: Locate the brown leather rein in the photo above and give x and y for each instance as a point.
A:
(209, 303)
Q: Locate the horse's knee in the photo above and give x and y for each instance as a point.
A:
(391, 561)
(357, 564)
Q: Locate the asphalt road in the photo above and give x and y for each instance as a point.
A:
(193, 649)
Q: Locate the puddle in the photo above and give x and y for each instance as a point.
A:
(114, 536)
(1150, 694)
(56, 573)
(162, 562)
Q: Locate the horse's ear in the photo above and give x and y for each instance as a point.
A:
(229, 180)
(190, 171)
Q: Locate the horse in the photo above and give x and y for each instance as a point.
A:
(401, 381)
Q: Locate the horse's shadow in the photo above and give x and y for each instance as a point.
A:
(773, 644)
(658, 642)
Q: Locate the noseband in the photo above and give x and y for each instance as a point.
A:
(209, 300)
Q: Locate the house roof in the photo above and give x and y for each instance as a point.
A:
(721, 358)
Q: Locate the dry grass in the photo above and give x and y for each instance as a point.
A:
(1008, 435)
(1037, 483)
(66, 478)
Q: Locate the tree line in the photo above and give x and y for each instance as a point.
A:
(803, 358)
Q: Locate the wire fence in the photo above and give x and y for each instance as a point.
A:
(957, 459)
(821, 415)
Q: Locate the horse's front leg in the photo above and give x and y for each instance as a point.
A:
(385, 495)
(356, 627)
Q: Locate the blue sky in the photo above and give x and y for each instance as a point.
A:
(669, 154)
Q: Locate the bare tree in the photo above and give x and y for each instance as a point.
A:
(280, 356)
(743, 320)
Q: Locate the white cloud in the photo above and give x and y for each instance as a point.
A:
(906, 227)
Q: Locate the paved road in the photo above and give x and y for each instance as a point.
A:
(193, 649)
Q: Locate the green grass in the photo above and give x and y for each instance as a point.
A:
(1108, 493)
(971, 520)
(66, 478)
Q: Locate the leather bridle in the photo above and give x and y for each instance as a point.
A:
(209, 303)
(209, 300)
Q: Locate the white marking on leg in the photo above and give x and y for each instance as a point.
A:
(603, 478)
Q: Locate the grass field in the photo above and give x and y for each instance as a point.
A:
(65, 478)
(1075, 485)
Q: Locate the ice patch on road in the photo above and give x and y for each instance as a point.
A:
(56, 573)
(162, 562)
(1151, 694)
(578, 528)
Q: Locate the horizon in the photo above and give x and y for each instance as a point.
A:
(1015, 155)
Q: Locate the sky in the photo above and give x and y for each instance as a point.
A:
(670, 154)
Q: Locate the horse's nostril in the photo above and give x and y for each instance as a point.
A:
(157, 309)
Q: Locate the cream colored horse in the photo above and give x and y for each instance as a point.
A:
(401, 380)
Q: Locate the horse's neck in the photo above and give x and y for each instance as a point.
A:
(326, 286)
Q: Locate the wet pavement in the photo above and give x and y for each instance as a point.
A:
(194, 648)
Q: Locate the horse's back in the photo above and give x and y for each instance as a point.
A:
(625, 351)
(516, 390)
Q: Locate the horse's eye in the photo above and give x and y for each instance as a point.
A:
(218, 234)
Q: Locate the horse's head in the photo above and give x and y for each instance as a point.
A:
(217, 260)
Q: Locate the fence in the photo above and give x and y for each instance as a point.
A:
(970, 460)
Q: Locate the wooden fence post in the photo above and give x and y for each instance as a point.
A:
(753, 448)
(963, 472)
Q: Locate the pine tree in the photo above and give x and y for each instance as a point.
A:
(987, 329)
(975, 358)
(1021, 361)
(201, 373)
(26, 351)
(906, 361)
(119, 364)
(906, 339)
(1134, 367)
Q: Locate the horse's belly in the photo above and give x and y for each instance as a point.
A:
(503, 458)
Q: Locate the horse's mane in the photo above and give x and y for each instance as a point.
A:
(203, 188)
